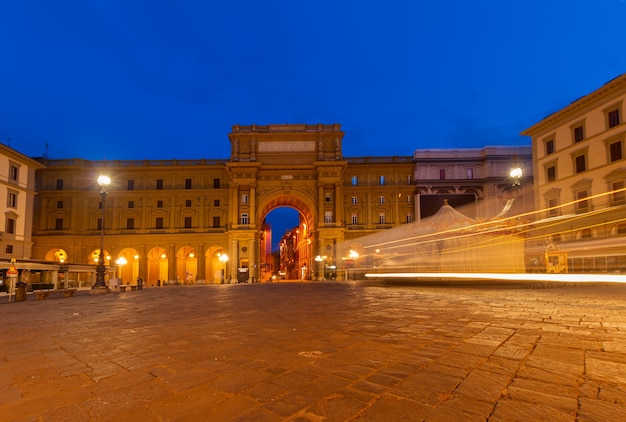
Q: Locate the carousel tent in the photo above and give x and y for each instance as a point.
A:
(449, 241)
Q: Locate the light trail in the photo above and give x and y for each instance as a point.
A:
(563, 278)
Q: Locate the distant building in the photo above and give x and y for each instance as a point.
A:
(477, 181)
(580, 179)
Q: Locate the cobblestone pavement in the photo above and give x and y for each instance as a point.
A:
(317, 352)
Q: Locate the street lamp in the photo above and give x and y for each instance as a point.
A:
(318, 260)
(103, 182)
(353, 255)
(223, 259)
(516, 173)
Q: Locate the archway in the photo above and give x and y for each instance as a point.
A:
(299, 261)
(187, 265)
(128, 265)
(157, 267)
(57, 255)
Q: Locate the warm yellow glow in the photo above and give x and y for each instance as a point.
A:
(565, 278)
(516, 172)
(163, 256)
(223, 257)
(121, 261)
(135, 256)
(104, 180)
(353, 254)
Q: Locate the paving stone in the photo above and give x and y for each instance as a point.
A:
(318, 351)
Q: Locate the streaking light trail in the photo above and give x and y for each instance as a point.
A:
(563, 278)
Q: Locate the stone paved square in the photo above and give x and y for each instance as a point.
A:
(326, 351)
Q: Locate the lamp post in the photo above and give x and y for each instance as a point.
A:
(103, 182)
(223, 259)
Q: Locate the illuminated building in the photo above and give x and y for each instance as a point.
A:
(580, 179)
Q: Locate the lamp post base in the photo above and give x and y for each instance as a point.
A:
(98, 290)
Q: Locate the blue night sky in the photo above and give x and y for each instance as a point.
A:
(126, 79)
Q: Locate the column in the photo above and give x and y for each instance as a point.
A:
(201, 259)
(252, 261)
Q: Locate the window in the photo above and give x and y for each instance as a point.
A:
(216, 202)
(355, 219)
(12, 200)
(408, 179)
(188, 203)
(58, 224)
(328, 197)
(381, 199)
(131, 204)
(442, 174)
(618, 197)
(216, 222)
(159, 204)
(216, 183)
(579, 133)
(409, 199)
(245, 198)
(355, 180)
(613, 118)
(159, 184)
(582, 204)
(553, 209)
(59, 184)
(409, 218)
(381, 218)
(159, 223)
(551, 174)
(59, 204)
(130, 185)
(8, 249)
(470, 173)
(187, 183)
(187, 222)
(328, 216)
(245, 219)
(130, 224)
(381, 180)
(13, 173)
(549, 146)
(355, 200)
(615, 151)
(580, 163)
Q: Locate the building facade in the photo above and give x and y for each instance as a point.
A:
(17, 188)
(580, 180)
(476, 181)
(176, 221)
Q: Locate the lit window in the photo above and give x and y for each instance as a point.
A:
(244, 198)
(355, 180)
(381, 180)
(381, 199)
(354, 200)
(328, 216)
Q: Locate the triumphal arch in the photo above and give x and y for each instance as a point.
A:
(299, 166)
